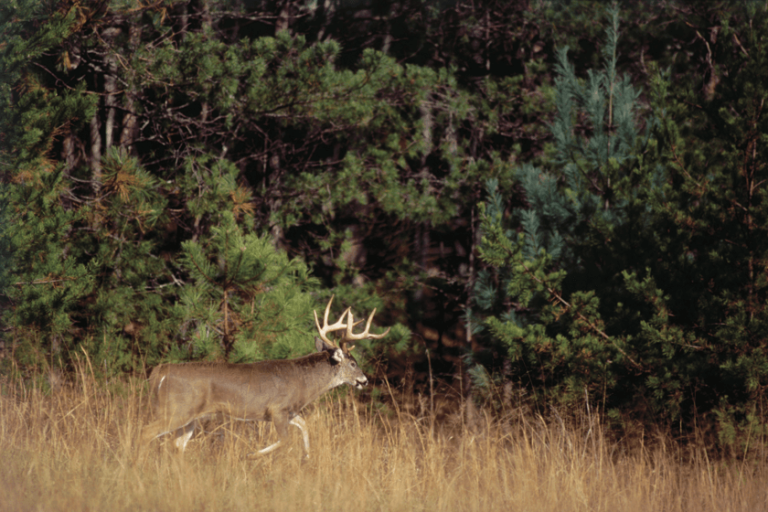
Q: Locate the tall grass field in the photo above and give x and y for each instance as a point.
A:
(76, 449)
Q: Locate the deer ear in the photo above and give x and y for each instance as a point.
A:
(321, 346)
(336, 353)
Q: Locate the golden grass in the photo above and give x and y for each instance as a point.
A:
(76, 449)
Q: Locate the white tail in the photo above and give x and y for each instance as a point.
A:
(265, 391)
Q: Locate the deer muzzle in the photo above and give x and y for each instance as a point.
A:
(360, 382)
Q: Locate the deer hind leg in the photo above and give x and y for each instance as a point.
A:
(163, 426)
(154, 430)
(281, 427)
(280, 421)
(269, 448)
(184, 434)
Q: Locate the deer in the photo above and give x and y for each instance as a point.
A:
(275, 390)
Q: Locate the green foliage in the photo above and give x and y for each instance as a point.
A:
(31, 111)
(104, 247)
(246, 300)
(709, 226)
(630, 275)
(81, 274)
(554, 333)
(324, 156)
(558, 346)
(167, 169)
(5, 248)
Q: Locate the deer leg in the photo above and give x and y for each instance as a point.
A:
(186, 434)
(269, 448)
(298, 421)
(156, 429)
(281, 426)
(164, 426)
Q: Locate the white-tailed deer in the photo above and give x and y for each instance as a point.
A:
(265, 391)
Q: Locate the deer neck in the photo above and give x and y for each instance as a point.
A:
(326, 374)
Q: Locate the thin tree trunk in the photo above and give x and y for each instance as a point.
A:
(285, 17)
(129, 128)
(95, 153)
(110, 84)
(68, 151)
(110, 91)
(324, 12)
(426, 129)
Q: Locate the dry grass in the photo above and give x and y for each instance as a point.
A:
(75, 450)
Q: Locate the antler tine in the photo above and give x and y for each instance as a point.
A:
(349, 335)
(325, 329)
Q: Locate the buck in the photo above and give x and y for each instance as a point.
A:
(274, 391)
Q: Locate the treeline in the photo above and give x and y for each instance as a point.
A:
(561, 201)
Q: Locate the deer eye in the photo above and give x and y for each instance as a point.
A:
(353, 364)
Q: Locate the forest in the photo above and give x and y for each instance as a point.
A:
(556, 205)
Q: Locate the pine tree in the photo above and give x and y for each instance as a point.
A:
(538, 298)
(246, 301)
(706, 284)
(106, 211)
(632, 277)
(33, 114)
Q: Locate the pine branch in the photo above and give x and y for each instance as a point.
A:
(44, 281)
(552, 291)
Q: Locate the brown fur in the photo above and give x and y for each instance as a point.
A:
(274, 391)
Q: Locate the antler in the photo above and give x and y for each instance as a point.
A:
(325, 329)
(349, 335)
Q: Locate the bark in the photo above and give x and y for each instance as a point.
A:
(426, 129)
(69, 151)
(276, 230)
(284, 17)
(110, 85)
(110, 91)
(324, 13)
(421, 249)
(471, 278)
(129, 130)
(95, 151)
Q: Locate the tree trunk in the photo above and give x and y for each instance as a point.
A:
(110, 85)
(95, 153)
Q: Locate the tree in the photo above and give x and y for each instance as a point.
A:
(709, 231)
(632, 277)
(245, 300)
(99, 222)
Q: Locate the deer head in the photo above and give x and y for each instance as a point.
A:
(341, 353)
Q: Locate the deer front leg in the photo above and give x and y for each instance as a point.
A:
(298, 421)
